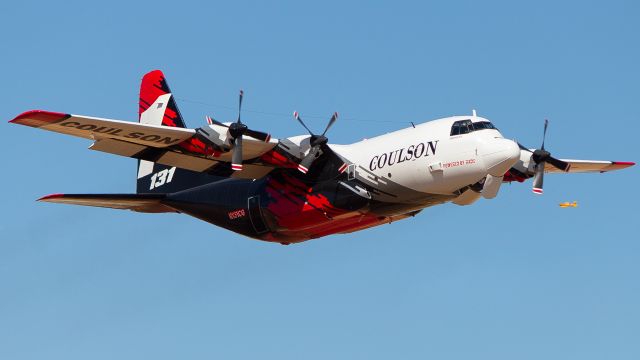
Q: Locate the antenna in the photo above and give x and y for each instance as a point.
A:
(474, 112)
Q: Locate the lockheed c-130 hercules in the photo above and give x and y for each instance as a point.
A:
(300, 188)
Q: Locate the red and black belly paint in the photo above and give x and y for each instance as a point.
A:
(280, 207)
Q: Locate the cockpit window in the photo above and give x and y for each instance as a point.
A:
(461, 127)
(483, 125)
(466, 126)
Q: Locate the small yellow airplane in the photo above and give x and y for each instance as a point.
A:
(568, 204)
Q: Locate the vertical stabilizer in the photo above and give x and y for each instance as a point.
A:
(158, 107)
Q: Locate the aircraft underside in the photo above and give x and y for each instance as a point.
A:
(282, 208)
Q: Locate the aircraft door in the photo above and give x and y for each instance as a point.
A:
(255, 214)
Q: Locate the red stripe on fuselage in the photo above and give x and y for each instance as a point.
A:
(295, 206)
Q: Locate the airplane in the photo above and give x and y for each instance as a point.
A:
(299, 188)
(567, 204)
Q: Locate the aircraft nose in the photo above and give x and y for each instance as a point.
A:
(499, 155)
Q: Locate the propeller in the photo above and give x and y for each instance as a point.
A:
(236, 131)
(541, 157)
(318, 142)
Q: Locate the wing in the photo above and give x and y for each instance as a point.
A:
(97, 128)
(525, 167)
(172, 146)
(587, 166)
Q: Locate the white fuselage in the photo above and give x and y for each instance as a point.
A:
(428, 158)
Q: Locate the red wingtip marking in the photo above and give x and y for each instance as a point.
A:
(51, 196)
(303, 169)
(236, 167)
(537, 191)
(37, 118)
(618, 165)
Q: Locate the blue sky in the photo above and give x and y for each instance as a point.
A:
(515, 277)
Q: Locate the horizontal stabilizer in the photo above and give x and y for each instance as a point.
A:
(147, 203)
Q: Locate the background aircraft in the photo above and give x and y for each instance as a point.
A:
(567, 204)
(300, 188)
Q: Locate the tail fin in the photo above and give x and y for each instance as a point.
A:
(155, 91)
(158, 107)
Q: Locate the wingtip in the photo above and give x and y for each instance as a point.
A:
(624, 163)
(37, 118)
(50, 197)
(619, 165)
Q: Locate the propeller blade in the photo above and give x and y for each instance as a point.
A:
(236, 155)
(258, 135)
(318, 143)
(538, 178)
(540, 157)
(559, 164)
(306, 162)
(297, 117)
(544, 134)
(333, 120)
(212, 121)
(522, 147)
(240, 104)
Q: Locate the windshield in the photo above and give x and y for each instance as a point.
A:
(466, 126)
(483, 125)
